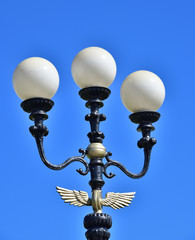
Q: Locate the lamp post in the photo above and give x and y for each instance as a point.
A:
(36, 80)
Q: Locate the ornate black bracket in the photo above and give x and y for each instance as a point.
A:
(145, 120)
(38, 108)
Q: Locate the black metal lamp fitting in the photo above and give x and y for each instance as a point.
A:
(36, 80)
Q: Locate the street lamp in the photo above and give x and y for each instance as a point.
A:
(36, 80)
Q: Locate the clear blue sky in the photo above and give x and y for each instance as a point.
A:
(149, 35)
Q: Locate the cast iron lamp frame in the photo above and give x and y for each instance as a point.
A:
(96, 223)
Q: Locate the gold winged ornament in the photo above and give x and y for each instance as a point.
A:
(81, 198)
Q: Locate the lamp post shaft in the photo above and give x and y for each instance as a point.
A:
(97, 224)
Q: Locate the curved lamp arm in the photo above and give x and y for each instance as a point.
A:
(37, 107)
(147, 153)
(39, 141)
(145, 120)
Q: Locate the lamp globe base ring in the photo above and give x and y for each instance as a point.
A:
(147, 117)
(36, 104)
(90, 93)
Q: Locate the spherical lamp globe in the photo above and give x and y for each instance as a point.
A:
(93, 66)
(35, 77)
(142, 91)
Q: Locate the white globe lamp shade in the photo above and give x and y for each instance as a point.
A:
(93, 66)
(35, 77)
(142, 91)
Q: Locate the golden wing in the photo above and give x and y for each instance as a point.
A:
(76, 198)
(118, 200)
